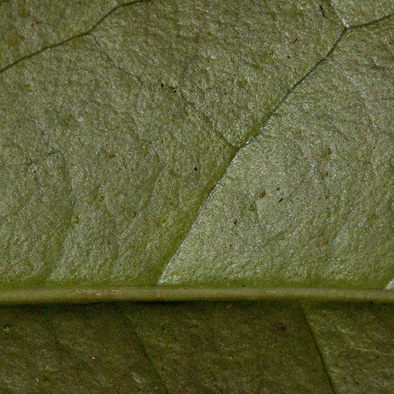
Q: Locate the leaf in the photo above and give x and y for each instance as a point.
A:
(164, 142)
(125, 124)
(263, 347)
(362, 12)
(310, 198)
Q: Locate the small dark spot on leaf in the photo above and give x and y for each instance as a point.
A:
(162, 85)
(288, 56)
(31, 24)
(195, 168)
(174, 90)
(281, 199)
(163, 328)
(235, 221)
(134, 214)
(357, 382)
(293, 42)
(278, 188)
(263, 193)
(281, 327)
(38, 22)
(326, 196)
(34, 171)
(322, 11)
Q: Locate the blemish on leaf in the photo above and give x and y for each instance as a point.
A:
(162, 85)
(322, 11)
(281, 199)
(235, 221)
(281, 327)
(195, 168)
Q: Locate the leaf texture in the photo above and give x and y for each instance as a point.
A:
(237, 347)
(196, 144)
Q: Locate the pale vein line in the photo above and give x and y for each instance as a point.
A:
(339, 15)
(79, 35)
(331, 383)
(389, 286)
(253, 137)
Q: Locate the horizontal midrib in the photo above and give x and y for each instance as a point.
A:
(171, 294)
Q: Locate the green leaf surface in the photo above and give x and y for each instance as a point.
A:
(181, 150)
(310, 199)
(178, 143)
(362, 12)
(238, 347)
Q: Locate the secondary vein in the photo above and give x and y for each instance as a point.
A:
(318, 350)
(79, 35)
(253, 137)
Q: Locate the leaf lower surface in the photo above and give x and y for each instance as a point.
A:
(196, 145)
(243, 148)
(201, 347)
